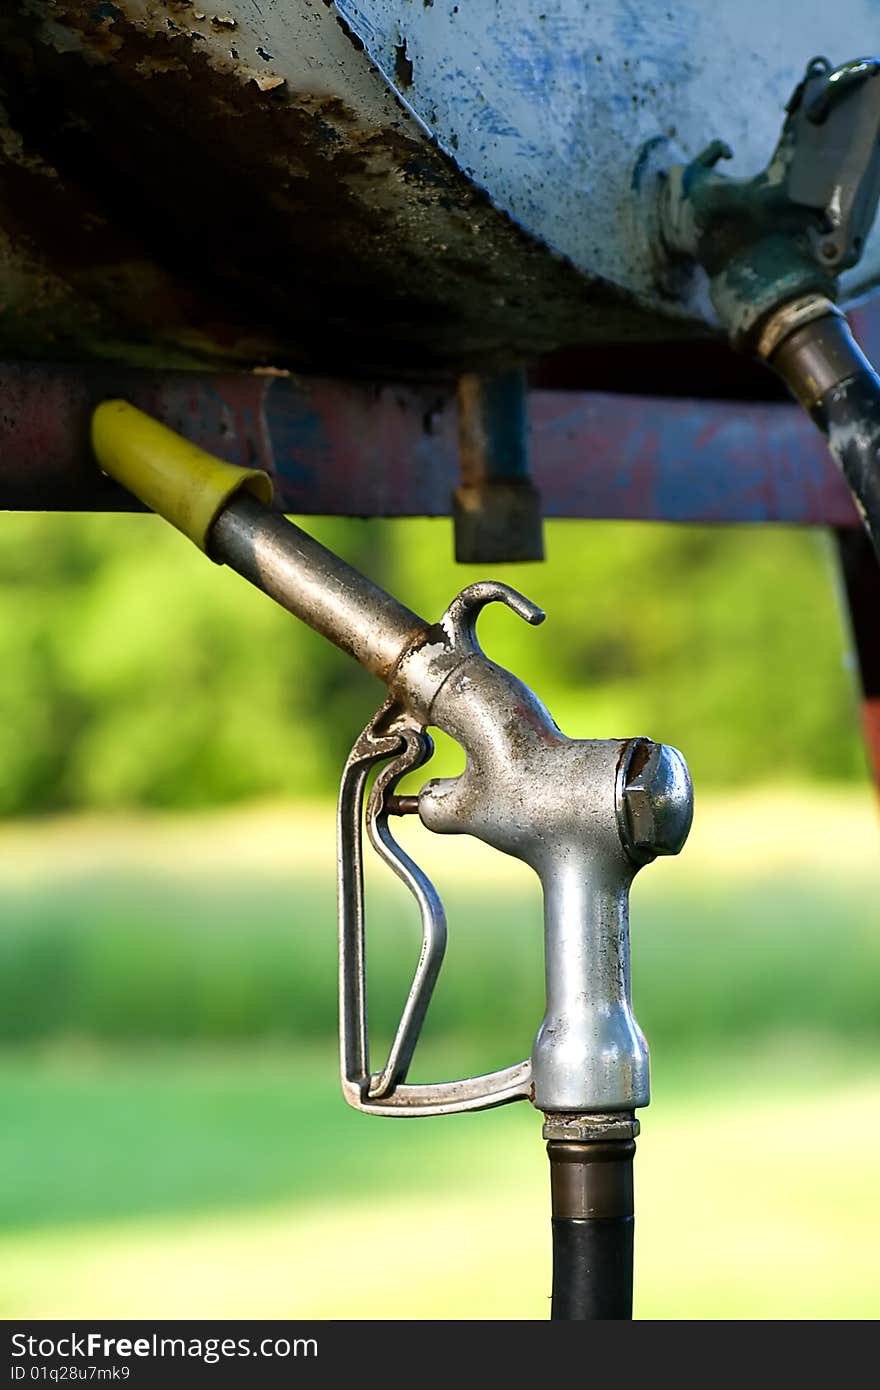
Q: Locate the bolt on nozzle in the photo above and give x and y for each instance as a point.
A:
(655, 800)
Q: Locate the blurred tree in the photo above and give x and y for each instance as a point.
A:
(133, 672)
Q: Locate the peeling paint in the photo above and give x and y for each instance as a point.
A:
(376, 189)
(340, 448)
(546, 103)
(229, 209)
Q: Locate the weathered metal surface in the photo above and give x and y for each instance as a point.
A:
(759, 244)
(389, 189)
(316, 586)
(635, 458)
(496, 510)
(339, 448)
(546, 102)
(182, 186)
(331, 447)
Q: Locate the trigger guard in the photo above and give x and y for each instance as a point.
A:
(385, 1092)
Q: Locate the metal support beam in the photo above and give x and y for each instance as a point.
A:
(352, 449)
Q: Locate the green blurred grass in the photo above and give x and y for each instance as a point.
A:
(174, 1142)
(223, 929)
(211, 1183)
(95, 1135)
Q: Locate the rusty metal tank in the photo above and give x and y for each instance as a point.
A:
(374, 188)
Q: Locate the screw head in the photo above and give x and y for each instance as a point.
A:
(655, 805)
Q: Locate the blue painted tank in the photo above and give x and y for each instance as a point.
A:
(547, 103)
(372, 186)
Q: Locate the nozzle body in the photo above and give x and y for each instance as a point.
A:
(584, 814)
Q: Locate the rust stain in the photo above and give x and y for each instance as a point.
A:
(199, 209)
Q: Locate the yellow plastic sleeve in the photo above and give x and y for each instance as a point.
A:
(180, 481)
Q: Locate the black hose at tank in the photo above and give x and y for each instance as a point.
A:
(826, 370)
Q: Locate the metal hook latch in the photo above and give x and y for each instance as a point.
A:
(395, 739)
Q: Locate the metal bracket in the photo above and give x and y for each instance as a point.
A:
(833, 127)
(790, 230)
(497, 508)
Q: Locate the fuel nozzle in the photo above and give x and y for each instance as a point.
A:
(584, 814)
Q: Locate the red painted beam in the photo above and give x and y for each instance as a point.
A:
(344, 448)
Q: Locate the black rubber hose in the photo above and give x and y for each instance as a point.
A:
(826, 370)
(592, 1229)
(849, 416)
(592, 1269)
